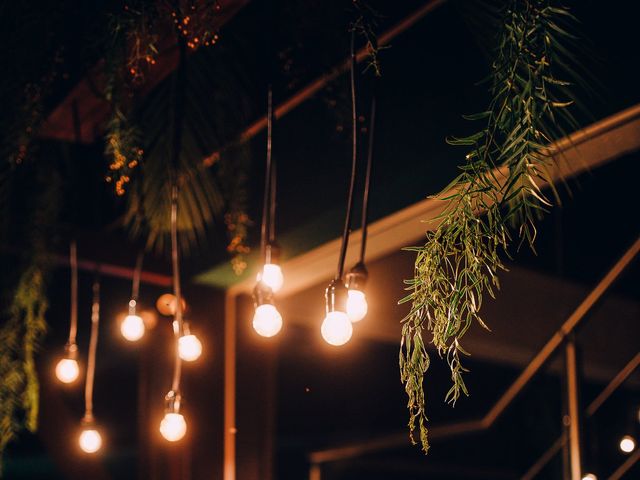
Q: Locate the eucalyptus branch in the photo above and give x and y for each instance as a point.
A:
(460, 261)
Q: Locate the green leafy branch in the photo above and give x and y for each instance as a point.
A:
(499, 186)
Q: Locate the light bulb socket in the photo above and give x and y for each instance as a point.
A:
(88, 421)
(172, 402)
(357, 277)
(336, 296)
(272, 253)
(262, 295)
(71, 351)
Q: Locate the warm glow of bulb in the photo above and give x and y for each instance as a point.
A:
(132, 328)
(189, 348)
(271, 276)
(90, 441)
(67, 370)
(627, 444)
(589, 476)
(267, 321)
(356, 305)
(173, 427)
(336, 328)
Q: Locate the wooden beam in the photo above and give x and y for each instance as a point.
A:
(581, 151)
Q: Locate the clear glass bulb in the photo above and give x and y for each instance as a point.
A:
(132, 328)
(356, 305)
(267, 321)
(173, 427)
(189, 348)
(336, 328)
(90, 440)
(627, 444)
(67, 370)
(271, 276)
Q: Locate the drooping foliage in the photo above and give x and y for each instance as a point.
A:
(499, 187)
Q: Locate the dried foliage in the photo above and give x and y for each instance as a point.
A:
(459, 263)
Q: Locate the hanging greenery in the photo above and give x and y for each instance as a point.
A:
(23, 322)
(459, 263)
(139, 137)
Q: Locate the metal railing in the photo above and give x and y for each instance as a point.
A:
(559, 338)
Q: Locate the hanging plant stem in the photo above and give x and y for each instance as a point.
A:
(461, 258)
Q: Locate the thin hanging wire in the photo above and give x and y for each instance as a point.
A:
(272, 203)
(93, 347)
(354, 157)
(367, 181)
(268, 181)
(135, 287)
(73, 263)
(178, 326)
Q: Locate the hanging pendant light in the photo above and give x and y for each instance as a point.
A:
(90, 439)
(189, 346)
(132, 327)
(267, 320)
(357, 277)
(336, 328)
(173, 426)
(357, 306)
(67, 369)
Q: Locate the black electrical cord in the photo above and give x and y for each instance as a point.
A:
(354, 161)
(268, 181)
(367, 182)
(272, 206)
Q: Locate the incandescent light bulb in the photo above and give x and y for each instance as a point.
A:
(356, 305)
(90, 440)
(271, 276)
(173, 426)
(67, 370)
(336, 328)
(189, 347)
(627, 444)
(132, 328)
(267, 321)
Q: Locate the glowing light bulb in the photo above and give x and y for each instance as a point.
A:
(67, 370)
(132, 328)
(589, 476)
(336, 328)
(356, 305)
(173, 427)
(271, 276)
(627, 444)
(90, 440)
(189, 348)
(267, 321)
